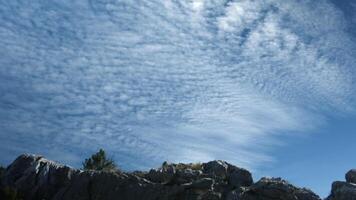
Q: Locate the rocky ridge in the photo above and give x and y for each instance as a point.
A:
(35, 177)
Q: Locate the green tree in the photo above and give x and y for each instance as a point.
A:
(100, 162)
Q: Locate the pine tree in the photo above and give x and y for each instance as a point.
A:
(99, 162)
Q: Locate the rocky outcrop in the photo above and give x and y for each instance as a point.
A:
(351, 176)
(276, 188)
(38, 178)
(344, 190)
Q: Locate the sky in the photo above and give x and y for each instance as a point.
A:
(267, 85)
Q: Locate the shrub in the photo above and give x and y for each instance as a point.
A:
(99, 162)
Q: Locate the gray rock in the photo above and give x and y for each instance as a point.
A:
(187, 175)
(235, 194)
(216, 168)
(351, 176)
(165, 174)
(277, 189)
(235, 176)
(204, 183)
(342, 191)
(238, 177)
(211, 196)
(38, 178)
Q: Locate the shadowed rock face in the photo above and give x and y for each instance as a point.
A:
(344, 190)
(276, 188)
(351, 176)
(38, 178)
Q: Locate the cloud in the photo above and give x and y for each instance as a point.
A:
(173, 80)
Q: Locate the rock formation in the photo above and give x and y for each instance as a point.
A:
(344, 190)
(35, 177)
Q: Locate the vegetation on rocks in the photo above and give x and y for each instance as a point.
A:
(99, 162)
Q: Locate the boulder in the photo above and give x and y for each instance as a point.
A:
(235, 176)
(277, 189)
(204, 183)
(216, 168)
(351, 176)
(236, 194)
(109, 185)
(238, 177)
(165, 174)
(187, 175)
(342, 191)
(211, 196)
(37, 177)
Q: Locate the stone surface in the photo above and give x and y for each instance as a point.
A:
(351, 176)
(216, 168)
(239, 177)
(202, 184)
(276, 189)
(342, 191)
(37, 178)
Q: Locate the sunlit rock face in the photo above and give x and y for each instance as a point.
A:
(34, 177)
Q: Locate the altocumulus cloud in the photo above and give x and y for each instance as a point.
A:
(150, 80)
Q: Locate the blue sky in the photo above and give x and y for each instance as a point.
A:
(267, 85)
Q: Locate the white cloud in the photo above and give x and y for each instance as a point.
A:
(175, 80)
(240, 15)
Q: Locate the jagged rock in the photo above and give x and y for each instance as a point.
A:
(204, 183)
(165, 174)
(38, 178)
(217, 168)
(211, 196)
(277, 189)
(238, 177)
(236, 194)
(187, 175)
(107, 186)
(342, 191)
(351, 176)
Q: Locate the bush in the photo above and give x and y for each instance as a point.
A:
(99, 162)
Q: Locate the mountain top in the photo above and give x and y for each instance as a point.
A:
(32, 177)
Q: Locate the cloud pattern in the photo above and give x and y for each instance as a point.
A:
(187, 80)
